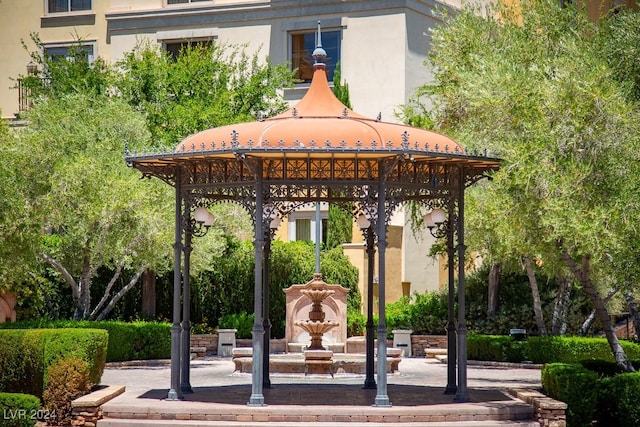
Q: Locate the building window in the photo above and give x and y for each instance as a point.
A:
(174, 48)
(66, 6)
(70, 51)
(303, 229)
(302, 47)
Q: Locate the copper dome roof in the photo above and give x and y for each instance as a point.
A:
(318, 122)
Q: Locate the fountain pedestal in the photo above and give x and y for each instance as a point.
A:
(318, 362)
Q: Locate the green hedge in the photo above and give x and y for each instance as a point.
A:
(127, 340)
(574, 385)
(551, 349)
(618, 400)
(26, 354)
(20, 410)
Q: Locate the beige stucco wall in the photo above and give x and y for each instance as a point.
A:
(18, 19)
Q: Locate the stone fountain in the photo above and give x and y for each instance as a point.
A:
(316, 326)
(318, 359)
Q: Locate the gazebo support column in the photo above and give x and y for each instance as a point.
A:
(257, 372)
(382, 399)
(451, 325)
(175, 327)
(185, 384)
(370, 382)
(266, 381)
(462, 394)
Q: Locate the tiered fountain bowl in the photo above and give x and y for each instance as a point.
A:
(316, 326)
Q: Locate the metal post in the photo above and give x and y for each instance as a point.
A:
(185, 385)
(451, 325)
(369, 382)
(257, 398)
(318, 233)
(266, 381)
(175, 327)
(382, 399)
(462, 394)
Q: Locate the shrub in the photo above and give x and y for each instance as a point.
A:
(575, 349)
(618, 400)
(127, 340)
(356, 322)
(499, 348)
(422, 313)
(26, 355)
(241, 322)
(19, 410)
(576, 386)
(67, 380)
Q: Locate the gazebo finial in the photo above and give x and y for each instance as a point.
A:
(319, 54)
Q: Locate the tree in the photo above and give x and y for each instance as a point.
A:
(531, 82)
(205, 86)
(94, 210)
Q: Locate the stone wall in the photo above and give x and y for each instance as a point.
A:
(421, 342)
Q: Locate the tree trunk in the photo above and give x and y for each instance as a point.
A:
(561, 306)
(535, 293)
(494, 288)
(633, 312)
(149, 294)
(121, 293)
(589, 320)
(582, 275)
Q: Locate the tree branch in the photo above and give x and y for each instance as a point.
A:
(123, 291)
(75, 291)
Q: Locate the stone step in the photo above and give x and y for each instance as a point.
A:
(178, 423)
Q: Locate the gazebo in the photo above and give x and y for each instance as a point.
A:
(317, 151)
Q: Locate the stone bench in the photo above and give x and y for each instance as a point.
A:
(432, 353)
(87, 410)
(198, 352)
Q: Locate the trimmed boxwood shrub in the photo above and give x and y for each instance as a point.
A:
(576, 386)
(27, 354)
(127, 340)
(19, 410)
(618, 400)
(575, 349)
(498, 348)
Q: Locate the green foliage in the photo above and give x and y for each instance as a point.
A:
(26, 355)
(577, 387)
(515, 304)
(356, 322)
(126, 340)
(340, 88)
(339, 226)
(241, 322)
(63, 75)
(18, 409)
(564, 123)
(575, 349)
(499, 348)
(226, 287)
(204, 87)
(67, 379)
(618, 400)
(423, 313)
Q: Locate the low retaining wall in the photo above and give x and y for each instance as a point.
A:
(547, 411)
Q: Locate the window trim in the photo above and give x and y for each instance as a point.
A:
(67, 45)
(309, 27)
(68, 12)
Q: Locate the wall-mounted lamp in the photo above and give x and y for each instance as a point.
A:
(32, 69)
